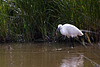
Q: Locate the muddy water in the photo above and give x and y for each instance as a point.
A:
(48, 55)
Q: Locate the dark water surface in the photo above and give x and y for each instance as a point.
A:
(48, 55)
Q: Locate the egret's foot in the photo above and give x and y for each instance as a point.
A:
(72, 47)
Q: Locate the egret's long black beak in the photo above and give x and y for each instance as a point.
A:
(57, 30)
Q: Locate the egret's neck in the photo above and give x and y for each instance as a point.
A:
(62, 31)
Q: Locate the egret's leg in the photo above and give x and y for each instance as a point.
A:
(72, 42)
(69, 42)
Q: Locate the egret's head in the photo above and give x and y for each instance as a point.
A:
(59, 27)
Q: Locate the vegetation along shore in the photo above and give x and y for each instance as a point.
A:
(37, 20)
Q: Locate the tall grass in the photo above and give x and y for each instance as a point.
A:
(38, 19)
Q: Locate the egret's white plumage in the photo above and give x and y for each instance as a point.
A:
(69, 30)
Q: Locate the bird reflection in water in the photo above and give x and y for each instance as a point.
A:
(73, 62)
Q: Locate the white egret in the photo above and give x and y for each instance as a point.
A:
(70, 31)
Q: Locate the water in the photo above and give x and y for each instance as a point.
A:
(48, 55)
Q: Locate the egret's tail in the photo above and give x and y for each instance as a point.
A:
(80, 33)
